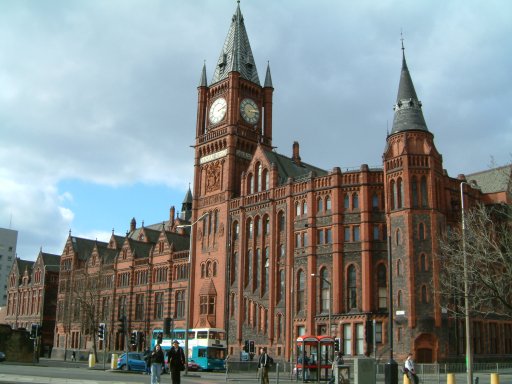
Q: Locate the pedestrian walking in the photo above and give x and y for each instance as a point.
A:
(264, 363)
(157, 359)
(176, 361)
(410, 370)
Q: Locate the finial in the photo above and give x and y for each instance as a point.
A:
(402, 39)
(112, 230)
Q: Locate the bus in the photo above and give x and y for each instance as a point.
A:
(207, 347)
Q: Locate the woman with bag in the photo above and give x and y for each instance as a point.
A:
(176, 361)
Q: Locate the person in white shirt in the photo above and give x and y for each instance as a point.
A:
(409, 369)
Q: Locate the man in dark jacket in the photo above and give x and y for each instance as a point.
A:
(263, 365)
(176, 361)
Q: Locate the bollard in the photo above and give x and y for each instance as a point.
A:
(406, 379)
(92, 360)
(450, 378)
(113, 362)
(495, 378)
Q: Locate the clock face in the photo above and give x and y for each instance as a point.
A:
(249, 111)
(218, 110)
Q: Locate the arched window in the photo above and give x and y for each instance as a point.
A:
(250, 183)
(248, 268)
(421, 231)
(355, 201)
(351, 288)
(280, 286)
(424, 193)
(398, 238)
(375, 202)
(266, 178)
(346, 201)
(234, 267)
(260, 178)
(266, 226)
(392, 194)
(281, 220)
(236, 230)
(414, 189)
(249, 228)
(319, 205)
(423, 263)
(399, 267)
(399, 299)
(328, 204)
(266, 266)
(258, 269)
(257, 225)
(400, 192)
(304, 208)
(325, 300)
(301, 290)
(208, 269)
(203, 271)
(424, 294)
(297, 209)
(382, 287)
(214, 269)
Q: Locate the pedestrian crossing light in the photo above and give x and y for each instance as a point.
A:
(133, 338)
(34, 331)
(101, 331)
(122, 324)
(336, 345)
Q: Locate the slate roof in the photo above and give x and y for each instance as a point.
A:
(181, 242)
(408, 113)
(493, 180)
(140, 249)
(51, 261)
(84, 247)
(286, 168)
(236, 54)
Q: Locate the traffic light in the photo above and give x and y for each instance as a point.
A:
(34, 331)
(167, 325)
(369, 332)
(122, 324)
(159, 338)
(133, 338)
(246, 346)
(252, 349)
(336, 344)
(101, 331)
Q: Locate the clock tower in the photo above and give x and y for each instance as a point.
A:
(234, 117)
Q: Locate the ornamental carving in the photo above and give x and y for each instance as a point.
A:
(213, 177)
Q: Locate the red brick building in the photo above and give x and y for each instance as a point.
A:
(273, 221)
(32, 296)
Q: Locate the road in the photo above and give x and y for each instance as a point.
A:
(64, 372)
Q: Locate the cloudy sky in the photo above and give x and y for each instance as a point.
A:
(98, 97)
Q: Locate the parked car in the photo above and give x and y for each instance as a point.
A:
(2, 356)
(135, 362)
(193, 366)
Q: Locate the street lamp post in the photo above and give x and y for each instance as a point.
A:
(469, 358)
(330, 298)
(187, 302)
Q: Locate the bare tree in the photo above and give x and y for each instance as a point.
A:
(487, 245)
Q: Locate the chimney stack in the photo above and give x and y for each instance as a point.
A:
(296, 156)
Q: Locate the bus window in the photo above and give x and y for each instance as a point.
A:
(202, 334)
(216, 353)
(180, 335)
(201, 352)
(191, 335)
(216, 335)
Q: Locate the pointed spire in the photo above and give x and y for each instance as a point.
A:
(268, 77)
(236, 54)
(203, 82)
(408, 113)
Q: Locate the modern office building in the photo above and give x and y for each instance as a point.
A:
(8, 241)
